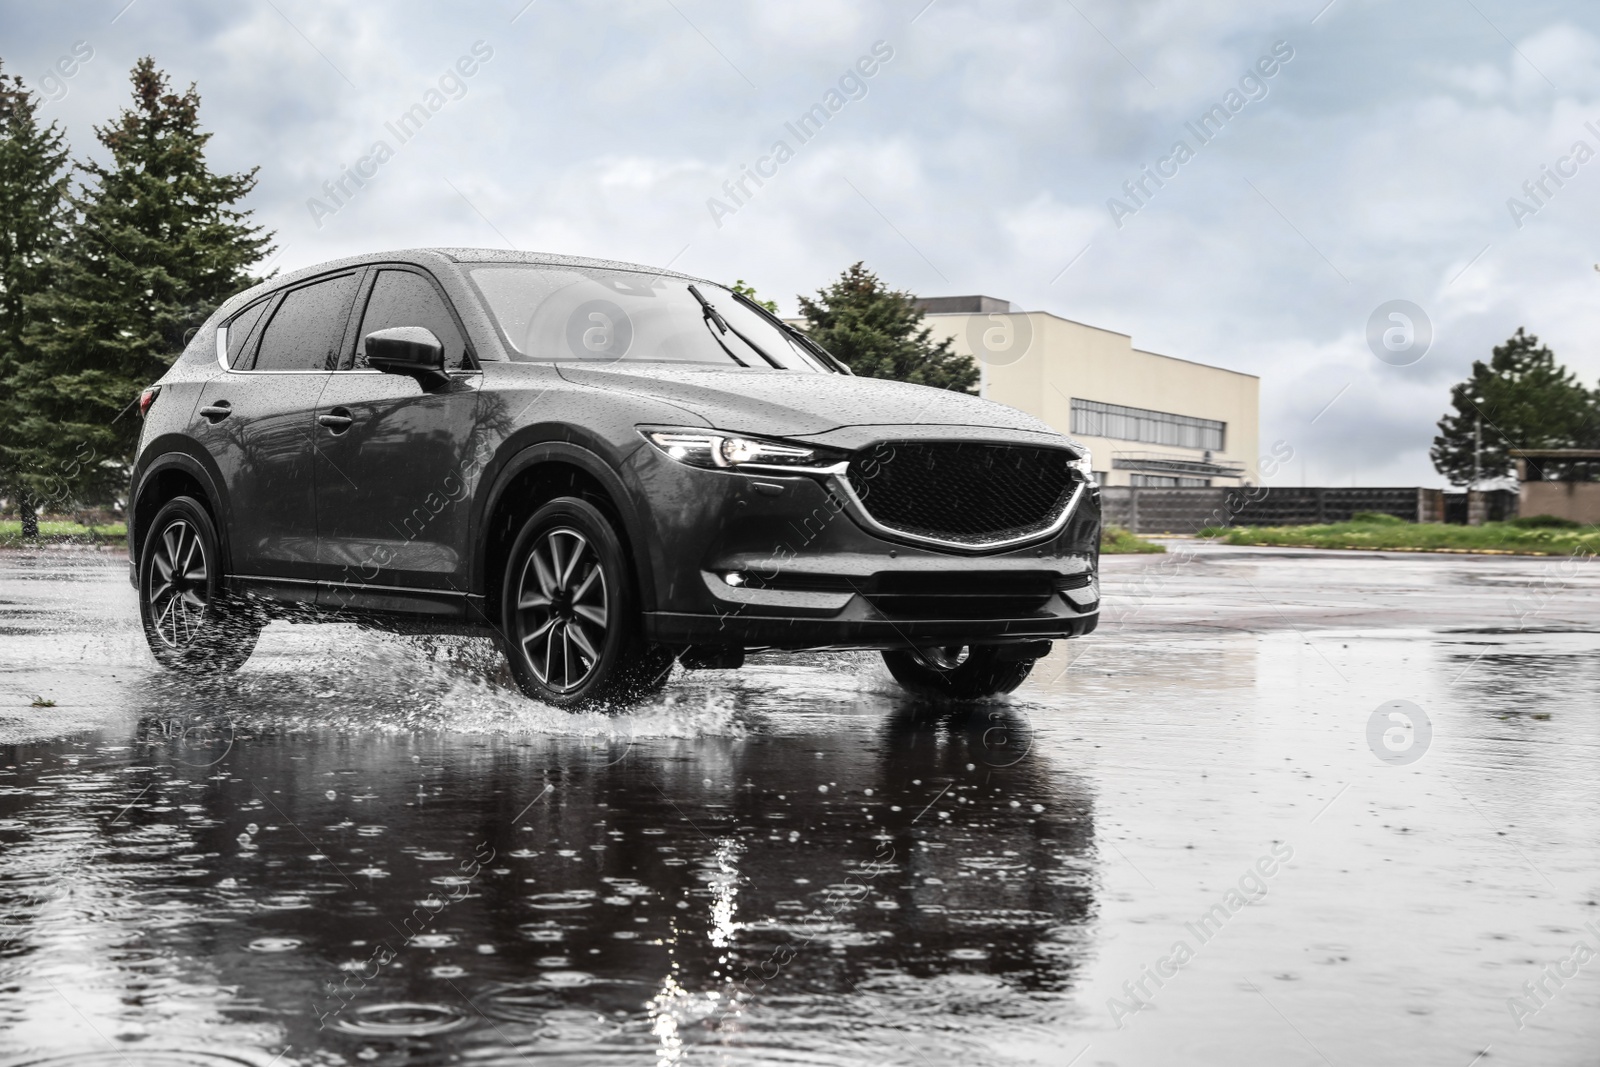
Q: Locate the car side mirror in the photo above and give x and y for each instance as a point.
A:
(408, 350)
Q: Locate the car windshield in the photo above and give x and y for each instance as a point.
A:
(602, 316)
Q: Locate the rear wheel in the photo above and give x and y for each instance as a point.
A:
(957, 672)
(190, 624)
(570, 612)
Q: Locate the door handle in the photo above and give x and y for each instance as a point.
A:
(215, 413)
(337, 421)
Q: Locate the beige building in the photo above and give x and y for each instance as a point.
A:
(1150, 419)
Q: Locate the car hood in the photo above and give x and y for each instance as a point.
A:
(775, 403)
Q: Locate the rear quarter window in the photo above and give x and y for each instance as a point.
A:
(307, 327)
(243, 329)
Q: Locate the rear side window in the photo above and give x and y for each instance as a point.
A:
(308, 326)
(244, 329)
(402, 298)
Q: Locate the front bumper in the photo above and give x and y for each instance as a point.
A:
(811, 577)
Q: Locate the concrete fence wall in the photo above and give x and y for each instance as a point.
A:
(1184, 511)
(1578, 501)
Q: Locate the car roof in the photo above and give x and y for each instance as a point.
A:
(550, 259)
(450, 255)
(473, 255)
(453, 255)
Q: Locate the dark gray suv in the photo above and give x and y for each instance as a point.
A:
(607, 468)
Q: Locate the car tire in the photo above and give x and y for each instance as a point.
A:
(570, 621)
(190, 622)
(958, 672)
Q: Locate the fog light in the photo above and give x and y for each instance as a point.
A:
(733, 578)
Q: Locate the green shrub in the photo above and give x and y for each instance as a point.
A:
(1117, 540)
(1377, 518)
(61, 533)
(1425, 537)
(1544, 522)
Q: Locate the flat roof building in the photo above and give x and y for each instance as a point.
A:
(1151, 420)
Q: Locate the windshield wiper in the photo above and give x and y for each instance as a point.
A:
(710, 310)
(826, 358)
(722, 324)
(709, 315)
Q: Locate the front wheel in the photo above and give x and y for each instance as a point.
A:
(957, 672)
(191, 625)
(570, 612)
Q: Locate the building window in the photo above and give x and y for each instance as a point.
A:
(1090, 418)
(1167, 481)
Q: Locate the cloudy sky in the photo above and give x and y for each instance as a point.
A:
(1374, 164)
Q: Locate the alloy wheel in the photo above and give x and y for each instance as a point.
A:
(563, 609)
(179, 584)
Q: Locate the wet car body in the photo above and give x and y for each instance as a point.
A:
(390, 500)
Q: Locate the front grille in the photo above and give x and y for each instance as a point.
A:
(963, 493)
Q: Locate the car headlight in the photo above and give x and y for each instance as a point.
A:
(721, 451)
(1084, 465)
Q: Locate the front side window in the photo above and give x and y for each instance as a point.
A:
(403, 298)
(308, 326)
(602, 316)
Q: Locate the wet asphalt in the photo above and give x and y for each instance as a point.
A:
(1283, 808)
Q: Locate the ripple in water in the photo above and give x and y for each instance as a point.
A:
(139, 1058)
(273, 944)
(547, 931)
(434, 940)
(576, 1027)
(520, 1003)
(544, 1008)
(570, 899)
(401, 1020)
(565, 979)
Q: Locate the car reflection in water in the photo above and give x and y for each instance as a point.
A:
(846, 893)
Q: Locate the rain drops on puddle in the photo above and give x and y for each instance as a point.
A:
(571, 899)
(565, 979)
(433, 940)
(401, 1020)
(542, 931)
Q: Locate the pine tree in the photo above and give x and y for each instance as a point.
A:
(33, 187)
(1522, 398)
(155, 244)
(878, 331)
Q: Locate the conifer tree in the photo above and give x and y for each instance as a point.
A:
(1521, 398)
(878, 332)
(156, 242)
(33, 187)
